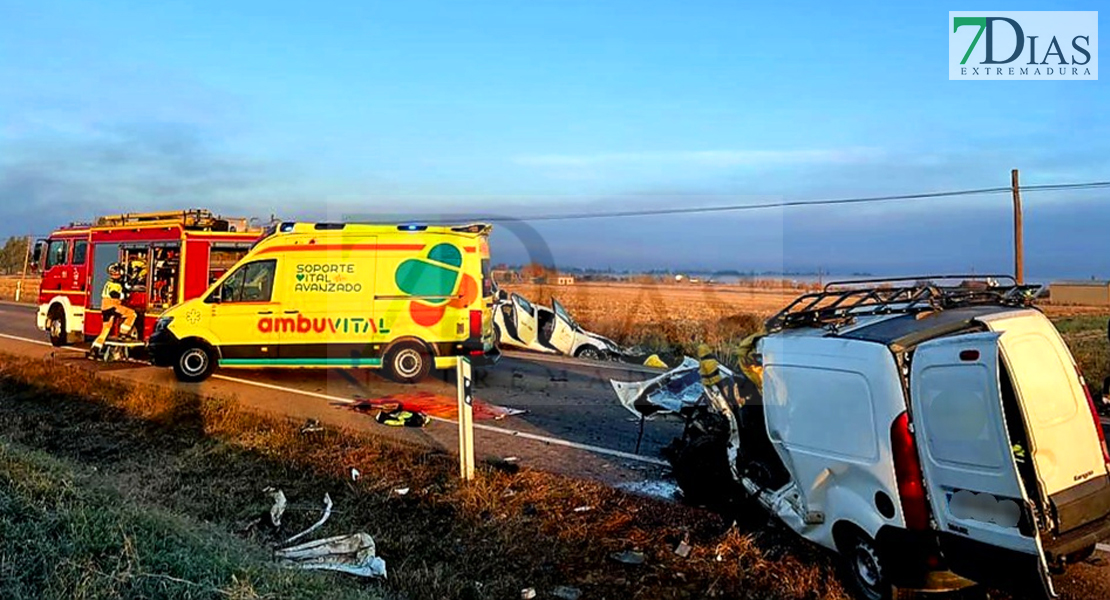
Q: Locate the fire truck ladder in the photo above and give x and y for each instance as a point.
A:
(841, 302)
(197, 218)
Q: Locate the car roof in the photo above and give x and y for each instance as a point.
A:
(907, 330)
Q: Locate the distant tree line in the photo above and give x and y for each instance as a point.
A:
(12, 255)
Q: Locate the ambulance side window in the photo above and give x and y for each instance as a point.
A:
(253, 282)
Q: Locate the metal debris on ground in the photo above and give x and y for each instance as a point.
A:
(565, 592)
(401, 491)
(581, 509)
(311, 426)
(629, 557)
(683, 549)
(527, 593)
(355, 473)
(317, 524)
(354, 554)
(278, 508)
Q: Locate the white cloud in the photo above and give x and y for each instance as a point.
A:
(707, 158)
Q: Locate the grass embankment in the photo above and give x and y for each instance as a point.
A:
(1086, 336)
(146, 491)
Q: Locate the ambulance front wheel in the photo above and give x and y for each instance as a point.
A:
(408, 362)
(194, 364)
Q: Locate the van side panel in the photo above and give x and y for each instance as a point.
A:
(829, 404)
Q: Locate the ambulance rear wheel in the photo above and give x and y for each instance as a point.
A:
(194, 364)
(407, 362)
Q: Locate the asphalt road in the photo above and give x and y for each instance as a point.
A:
(573, 424)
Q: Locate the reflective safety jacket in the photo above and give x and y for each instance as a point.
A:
(112, 290)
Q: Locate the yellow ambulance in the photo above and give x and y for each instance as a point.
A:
(404, 298)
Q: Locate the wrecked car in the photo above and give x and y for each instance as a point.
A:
(519, 323)
(933, 436)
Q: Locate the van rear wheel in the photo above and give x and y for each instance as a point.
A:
(865, 568)
(407, 362)
(194, 364)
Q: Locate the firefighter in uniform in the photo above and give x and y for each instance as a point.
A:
(112, 307)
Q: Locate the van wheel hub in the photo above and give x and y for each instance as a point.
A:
(56, 327)
(867, 566)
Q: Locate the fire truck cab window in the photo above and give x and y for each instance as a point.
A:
(222, 257)
(165, 271)
(80, 252)
(253, 282)
(56, 253)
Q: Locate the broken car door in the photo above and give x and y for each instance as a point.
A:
(982, 510)
(566, 330)
(525, 317)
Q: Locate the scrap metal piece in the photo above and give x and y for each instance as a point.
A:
(317, 524)
(354, 554)
(278, 508)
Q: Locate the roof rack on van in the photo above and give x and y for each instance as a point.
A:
(842, 302)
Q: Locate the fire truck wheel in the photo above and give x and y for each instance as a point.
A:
(194, 364)
(407, 362)
(56, 325)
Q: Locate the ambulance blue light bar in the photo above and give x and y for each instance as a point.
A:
(412, 227)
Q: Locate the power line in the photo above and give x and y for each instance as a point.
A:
(801, 203)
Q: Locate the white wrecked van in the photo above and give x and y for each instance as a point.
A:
(931, 435)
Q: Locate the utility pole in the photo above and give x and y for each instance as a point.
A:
(1019, 242)
(23, 274)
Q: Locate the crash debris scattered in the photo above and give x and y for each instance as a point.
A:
(354, 554)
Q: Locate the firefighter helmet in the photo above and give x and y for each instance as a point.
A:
(115, 270)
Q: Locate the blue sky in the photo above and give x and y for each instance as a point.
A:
(402, 109)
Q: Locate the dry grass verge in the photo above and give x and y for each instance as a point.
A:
(206, 460)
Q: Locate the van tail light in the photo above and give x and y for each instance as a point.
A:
(475, 323)
(907, 469)
(1094, 415)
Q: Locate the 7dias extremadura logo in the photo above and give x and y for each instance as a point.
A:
(1055, 45)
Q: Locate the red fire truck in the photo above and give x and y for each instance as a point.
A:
(169, 257)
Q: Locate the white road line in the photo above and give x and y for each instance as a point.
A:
(39, 342)
(1103, 547)
(509, 432)
(569, 444)
(501, 430)
(279, 388)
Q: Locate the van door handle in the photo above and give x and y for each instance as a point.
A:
(292, 312)
(265, 312)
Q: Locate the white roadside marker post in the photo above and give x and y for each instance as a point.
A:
(466, 418)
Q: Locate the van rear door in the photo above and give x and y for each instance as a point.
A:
(1063, 434)
(982, 512)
